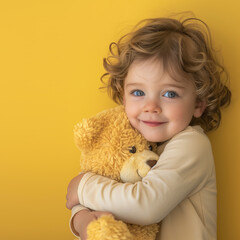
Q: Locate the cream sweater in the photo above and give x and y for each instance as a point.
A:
(179, 191)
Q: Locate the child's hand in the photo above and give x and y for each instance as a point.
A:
(83, 218)
(72, 194)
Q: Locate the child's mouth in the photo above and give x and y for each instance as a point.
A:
(152, 123)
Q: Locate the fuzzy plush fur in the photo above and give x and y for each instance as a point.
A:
(112, 148)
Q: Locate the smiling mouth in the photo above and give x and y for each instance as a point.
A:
(153, 124)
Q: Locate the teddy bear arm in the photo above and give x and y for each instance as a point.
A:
(147, 232)
(108, 228)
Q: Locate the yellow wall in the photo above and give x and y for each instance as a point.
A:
(50, 62)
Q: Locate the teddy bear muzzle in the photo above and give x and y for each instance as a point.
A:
(137, 166)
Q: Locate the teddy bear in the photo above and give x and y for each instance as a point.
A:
(111, 147)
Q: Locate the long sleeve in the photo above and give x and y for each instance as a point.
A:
(183, 169)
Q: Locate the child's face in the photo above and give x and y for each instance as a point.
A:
(158, 106)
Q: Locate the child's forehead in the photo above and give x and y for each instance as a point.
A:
(147, 68)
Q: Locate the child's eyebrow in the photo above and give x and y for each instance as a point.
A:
(164, 85)
(133, 84)
(174, 86)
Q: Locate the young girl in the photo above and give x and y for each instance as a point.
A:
(167, 76)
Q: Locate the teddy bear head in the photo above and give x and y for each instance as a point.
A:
(111, 147)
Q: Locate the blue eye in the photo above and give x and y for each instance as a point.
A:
(138, 93)
(170, 94)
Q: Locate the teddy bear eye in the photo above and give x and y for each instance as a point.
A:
(132, 149)
(150, 147)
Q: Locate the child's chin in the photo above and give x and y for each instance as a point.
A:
(152, 138)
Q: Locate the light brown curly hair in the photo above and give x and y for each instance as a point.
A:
(185, 48)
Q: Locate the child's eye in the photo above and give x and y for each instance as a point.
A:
(170, 94)
(138, 93)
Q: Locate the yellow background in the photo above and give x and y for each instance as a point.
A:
(50, 62)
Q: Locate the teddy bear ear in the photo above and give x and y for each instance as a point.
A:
(90, 131)
(85, 132)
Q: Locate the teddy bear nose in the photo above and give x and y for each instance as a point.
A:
(151, 163)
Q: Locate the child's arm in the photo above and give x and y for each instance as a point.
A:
(81, 216)
(79, 223)
(81, 220)
(76, 211)
(182, 170)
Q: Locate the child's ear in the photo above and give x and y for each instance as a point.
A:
(199, 108)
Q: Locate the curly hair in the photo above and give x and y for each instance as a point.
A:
(185, 48)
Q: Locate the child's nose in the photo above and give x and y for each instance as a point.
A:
(152, 106)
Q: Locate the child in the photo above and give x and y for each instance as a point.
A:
(166, 75)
